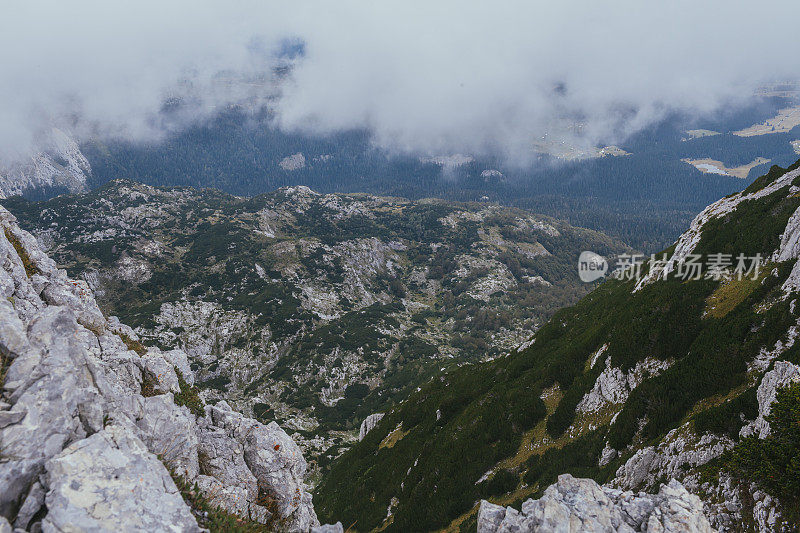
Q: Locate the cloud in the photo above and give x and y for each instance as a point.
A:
(429, 77)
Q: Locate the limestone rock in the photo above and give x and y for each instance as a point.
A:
(782, 375)
(222, 456)
(234, 499)
(171, 432)
(368, 424)
(81, 447)
(161, 373)
(679, 450)
(110, 480)
(582, 505)
(328, 528)
(273, 459)
(33, 502)
(613, 386)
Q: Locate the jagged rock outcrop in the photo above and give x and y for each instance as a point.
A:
(678, 451)
(783, 374)
(613, 386)
(573, 504)
(59, 166)
(368, 424)
(329, 528)
(90, 431)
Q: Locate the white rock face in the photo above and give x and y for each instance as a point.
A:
(613, 386)
(274, 460)
(368, 424)
(329, 528)
(680, 449)
(80, 443)
(782, 375)
(293, 162)
(790, 240)
(573, 504)
(110, 479)
(60, 165)
(790, 249)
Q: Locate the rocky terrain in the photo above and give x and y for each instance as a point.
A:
(663, 385)
(659, 404)
(98, 433)
(60, 167)
(582, 505)
(314, 310)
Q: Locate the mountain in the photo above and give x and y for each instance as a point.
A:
(644, 193)
(664, 379)
(60, 167)
(314, 310)
(98, 432)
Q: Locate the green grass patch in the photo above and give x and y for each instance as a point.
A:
(189, 396)
(27, 262)
(733, 292)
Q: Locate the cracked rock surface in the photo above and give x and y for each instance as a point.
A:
(573, 504)
(90, 430)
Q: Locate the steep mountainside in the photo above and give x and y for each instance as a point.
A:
(316, 310)
(637, 384)
(61, 167)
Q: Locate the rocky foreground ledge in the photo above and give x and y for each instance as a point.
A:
(95, 429)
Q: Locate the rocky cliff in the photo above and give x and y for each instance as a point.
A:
(98, 433)
(59, 167)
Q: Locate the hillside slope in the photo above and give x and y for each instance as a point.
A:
(315, 310)
(639, 383)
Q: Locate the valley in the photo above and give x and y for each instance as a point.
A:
(315, 310)
(361, 267)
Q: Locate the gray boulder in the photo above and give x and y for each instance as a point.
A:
(111, 482)
(328, 528)
(170, 431)
(275, 461)
(572, 505)
(161, 374)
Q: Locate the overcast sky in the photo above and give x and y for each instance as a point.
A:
(430, 76)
